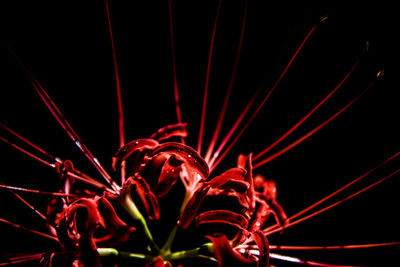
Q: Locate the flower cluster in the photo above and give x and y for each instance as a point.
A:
(90, 228)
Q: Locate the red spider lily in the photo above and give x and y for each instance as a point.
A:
(90, 225)
(156, 169)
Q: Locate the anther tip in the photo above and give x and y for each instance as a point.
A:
(323, 19)
(365, 47)
(379, 74)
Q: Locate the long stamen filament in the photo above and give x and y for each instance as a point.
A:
(29, 230)
(119, 94)
(332, 205)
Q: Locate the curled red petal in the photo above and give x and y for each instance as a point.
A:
(117, 230)
(246, 163)
(82, 218)
(135, 145)
(189, 155)
(222, 216)
(224, 253)
(91, 218)
(192, 207)
(168, 176)
(260, 216)
(151, 170)
(263, 248)
(241, 198)
(173, 130)
(148, 198)
(231, 179)
(276, 208)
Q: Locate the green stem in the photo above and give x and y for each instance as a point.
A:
(128, 204)
(112, 252)
(193, 253)
(188, 195)
(166, 249)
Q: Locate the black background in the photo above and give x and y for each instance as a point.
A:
(66, 45)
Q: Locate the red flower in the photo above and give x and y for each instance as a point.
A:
(155, 168)
(82, 218)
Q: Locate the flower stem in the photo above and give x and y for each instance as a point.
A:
(128, 204)
(112, 252)
(166, 249)
(193, 253)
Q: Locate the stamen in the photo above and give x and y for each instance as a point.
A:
(342, 188)
(229, 89)
(265, 98)
(306, 116)
(358, 246)
(29, 230)
(56, 194)
(77, 175)
(26, 141)
(300, 261)
(232, 130)
(28, 204)
(65, 125)
(332, 205)
(206, 86)
(119, 94)
(310, 133)
(22, 259)
(174, 76)
(28, 153)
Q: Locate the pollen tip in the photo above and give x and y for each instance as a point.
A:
(379, 74)
(323, 19)
(366, 46)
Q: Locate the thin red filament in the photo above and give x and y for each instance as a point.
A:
(229, 89)
(306, 116)
(207, 81)
(119, 94)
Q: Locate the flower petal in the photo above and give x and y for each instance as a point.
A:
(231, 179)
(277, 209)
(189, 155)
(168, 176)
(148, 198)
(224, 253)
(192, 207)
(241, 198)
(136, 145)
(246, 163)
(263, 248)
(222, 216)
(118, 231)
(263, 211)
(86, 222)
(173, 130)
(82, 218)
(266, 191)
